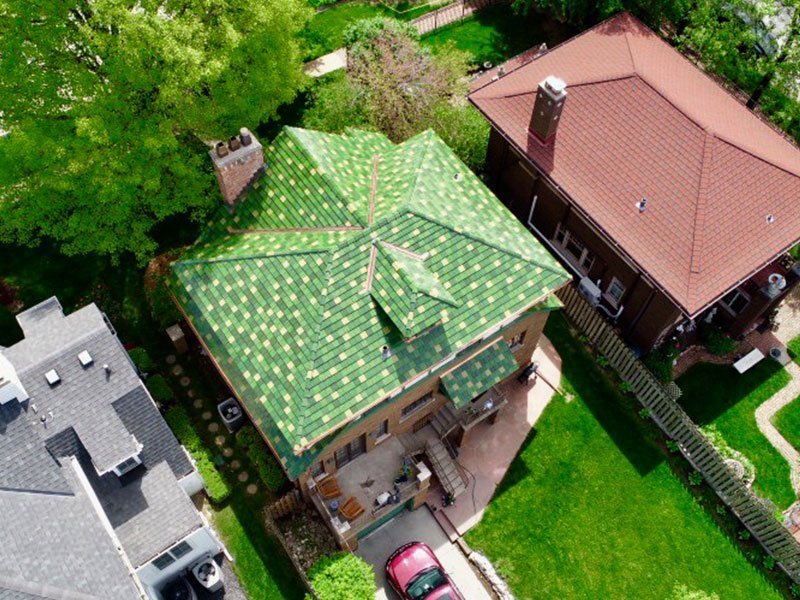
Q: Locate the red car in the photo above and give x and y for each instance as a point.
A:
(415, 573)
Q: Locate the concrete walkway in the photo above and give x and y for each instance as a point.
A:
(327, 64)
(767, 411)
(489, 450)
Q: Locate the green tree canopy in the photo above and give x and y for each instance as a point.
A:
(105, 102)
(587, 12)
(342, 576)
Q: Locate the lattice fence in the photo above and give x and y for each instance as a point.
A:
(676, 424)
(450, 14)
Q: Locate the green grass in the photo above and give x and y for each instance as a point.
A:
(794, 349)
(324, 32)
(260, 562)
(591, 508)
(788, 423)
(497, 33)
(717, 394)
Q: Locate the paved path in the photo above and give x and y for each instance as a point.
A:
(326, 64)
(767, 411)
(789, 317)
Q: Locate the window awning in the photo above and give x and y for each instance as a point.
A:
(477, 375)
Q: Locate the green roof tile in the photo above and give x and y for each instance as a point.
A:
(478, 374)
(296, 293)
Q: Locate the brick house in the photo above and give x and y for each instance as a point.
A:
(664, 195)
(353, 292)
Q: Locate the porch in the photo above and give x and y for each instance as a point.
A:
(369, 490)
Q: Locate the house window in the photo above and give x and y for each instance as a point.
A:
(382, 430)
(163, 561)
(517, 340)
(576, 250)
(351, 451)
(615, 291)
(318, 470)
(735, 301)
(415, 405)
(181, 549)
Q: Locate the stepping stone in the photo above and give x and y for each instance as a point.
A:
(177, 370)
(243, 476)
(235, 464)
(252, 489)
(198, 403)
(213, 427)
(206, 415)
(227, 452)
(190, 393)
(220, 439)
(185, 381)
(171, 359)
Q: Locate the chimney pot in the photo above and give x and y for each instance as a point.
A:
(234, 144)
(245, 137)
(550, 98)
(222, 149)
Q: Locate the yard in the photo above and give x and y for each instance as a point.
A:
(714, 394)
(497, 33)
(591, 508)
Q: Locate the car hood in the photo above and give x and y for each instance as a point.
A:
(409, 562)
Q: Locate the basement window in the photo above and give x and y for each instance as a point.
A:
(615, 291)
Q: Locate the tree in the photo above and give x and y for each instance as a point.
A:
(105, 104)
(583, 13)
(396, 86)
(342, 576)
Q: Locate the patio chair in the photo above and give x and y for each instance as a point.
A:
(351, 509)
(329, 488)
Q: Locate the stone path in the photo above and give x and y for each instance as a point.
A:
(767, 411)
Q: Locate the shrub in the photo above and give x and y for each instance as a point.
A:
(644, 413)
(672, 446)
(717, 342)
(695, 478)
(769, 562)
(142, 360)
(180, 423)
(744, 535)
(682, 592)
(721, 510)
(343, 576)
(660, 361)
(262, 458)
(159, 389)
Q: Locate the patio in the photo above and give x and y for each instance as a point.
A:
(366, 489)
(489, 449)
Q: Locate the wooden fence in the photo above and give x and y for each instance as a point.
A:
(676, 424)
(451, 13)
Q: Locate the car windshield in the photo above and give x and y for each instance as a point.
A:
(426, 582)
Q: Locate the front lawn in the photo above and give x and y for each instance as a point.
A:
(498, 33)
(717, 394)
(590, 508)
(788, 423)
(794, 349)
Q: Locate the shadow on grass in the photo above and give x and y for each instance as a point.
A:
(581, 377)
(705, 402)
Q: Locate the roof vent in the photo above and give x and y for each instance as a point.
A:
(642, 205)
(457, 177)
(52, 377)
(770, 219)
(85, 358)
(386, 353)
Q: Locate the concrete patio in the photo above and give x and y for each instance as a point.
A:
(489, 450)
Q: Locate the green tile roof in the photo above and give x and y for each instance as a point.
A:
(478, 374)
(346, 244)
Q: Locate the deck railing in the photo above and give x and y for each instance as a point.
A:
(675, 423)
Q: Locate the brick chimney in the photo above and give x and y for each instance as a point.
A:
(550, 98)
(237, 163)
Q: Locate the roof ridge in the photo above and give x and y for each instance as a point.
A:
(570, 85)
(198, 261)
(323, 171)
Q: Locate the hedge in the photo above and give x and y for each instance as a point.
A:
(142, 360)
(262, 458)
(180, 423)
(159, 389)
(343, 576)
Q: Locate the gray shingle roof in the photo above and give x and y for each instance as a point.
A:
(55, 544)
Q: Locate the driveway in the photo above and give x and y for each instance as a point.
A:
(421, 526)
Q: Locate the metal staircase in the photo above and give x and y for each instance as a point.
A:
(446, 469)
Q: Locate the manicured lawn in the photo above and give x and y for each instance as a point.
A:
(590, 508)
(788, 423)
(794, 349)
(324, 32)
(717, 394)
(497, 33)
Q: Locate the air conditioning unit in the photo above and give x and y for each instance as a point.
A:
(589, 290)
(776, 284)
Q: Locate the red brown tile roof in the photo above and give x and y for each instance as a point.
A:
(641, 121)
